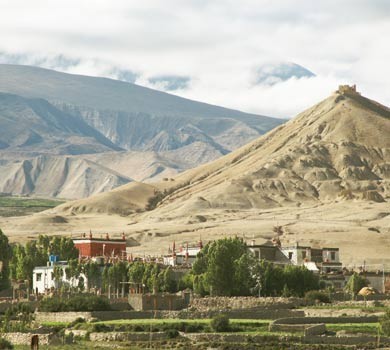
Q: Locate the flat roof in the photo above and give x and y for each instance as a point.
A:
(98, 240)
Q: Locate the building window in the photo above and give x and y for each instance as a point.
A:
(333, 255)
(290, 255)
(304, 255)
(257, 254)
(39, 277)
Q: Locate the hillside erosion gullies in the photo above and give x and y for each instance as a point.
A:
(111, 123)
(338, 150)
(55, 176)
(323, 177)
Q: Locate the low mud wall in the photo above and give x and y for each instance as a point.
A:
(226, 338)
(317, 320)
(235, 303)
(346, 340)
(317, 329)
(41, 317)
(61, 316)
(353, 312)
(125, 336)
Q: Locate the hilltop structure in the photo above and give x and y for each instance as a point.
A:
(347, 89)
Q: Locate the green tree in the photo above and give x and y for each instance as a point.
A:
(105, 279)
(58, 273)
(355, 284)
(136, 274)
(220, 323)
(169, 284)
(224, 267)
(385, 323)
(92, 272)
(5, 257)
(186, 282)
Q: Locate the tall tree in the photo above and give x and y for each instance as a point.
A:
(5, 257)
(354, 284)
(223, 267)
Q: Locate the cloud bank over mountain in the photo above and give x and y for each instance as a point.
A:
(209, 51)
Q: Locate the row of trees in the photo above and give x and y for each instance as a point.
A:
(18, 261)
(225, 267)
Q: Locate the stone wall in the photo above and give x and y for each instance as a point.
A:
(224, 303)
(317, 320)
(317, 329)
(274, 327)
(61, 316)
(25, 338)
(126, 336)
(345, 340)
(183, 314)
(160, 301)
(136, 302)
(227, 338)
(120, 304)
(340, 312)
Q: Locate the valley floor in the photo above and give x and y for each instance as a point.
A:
(360, 229)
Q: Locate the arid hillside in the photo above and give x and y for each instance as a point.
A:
(324, 177)
(338, 150)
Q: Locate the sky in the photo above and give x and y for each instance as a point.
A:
(237, 54)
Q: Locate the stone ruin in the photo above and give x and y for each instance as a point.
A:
(347, 89)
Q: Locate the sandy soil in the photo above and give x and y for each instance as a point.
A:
(360, 229)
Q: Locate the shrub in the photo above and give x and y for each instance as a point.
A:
(100, 328)
(172, 333)
(5, 344)
(220, 323)
(76, 322)
(315, 296)
(385, 323)
(75, 303)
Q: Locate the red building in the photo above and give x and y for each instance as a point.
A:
(105, 247)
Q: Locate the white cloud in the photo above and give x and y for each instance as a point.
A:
(219, 44)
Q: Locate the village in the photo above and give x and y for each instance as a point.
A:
(94, 289)
(322, 261)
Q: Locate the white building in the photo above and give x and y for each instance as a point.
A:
(44, 280)
(184, 256)
(324, 260)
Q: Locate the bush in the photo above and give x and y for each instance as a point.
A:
(75, 303)
(100, 328)
(385, 323)
(315, 296)
(172, 333)
(220, 323)
(76, 322)
(5, 344)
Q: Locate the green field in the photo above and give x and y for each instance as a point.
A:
(20, 206)
(272, 340)
(366, 328)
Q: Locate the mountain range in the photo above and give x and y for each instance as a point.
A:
(322, 177)
(83, 135)
(338, 150)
